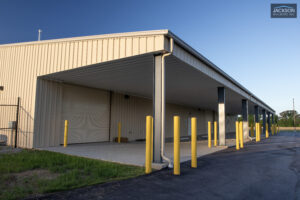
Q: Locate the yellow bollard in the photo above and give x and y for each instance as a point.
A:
(148, 162)
(151, 139)
(119, 132)
(194, 142)
(237, 146)
(209, 134)
(176, 145)
(256, 132)
(66, 133)
(272, 129)
(215, 133)
(241, 134)
(259, 131)
(252, 131)
(267, 130)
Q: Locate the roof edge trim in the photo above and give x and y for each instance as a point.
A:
(103, 36)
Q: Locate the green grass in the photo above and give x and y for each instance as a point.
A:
(66, 172)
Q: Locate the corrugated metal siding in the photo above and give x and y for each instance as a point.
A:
(49, 123)
(87, 110)
(20, 65)
(132, 112)
(10, 113)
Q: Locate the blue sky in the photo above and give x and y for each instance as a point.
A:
(261, 53)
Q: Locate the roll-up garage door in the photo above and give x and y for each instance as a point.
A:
(87, 110)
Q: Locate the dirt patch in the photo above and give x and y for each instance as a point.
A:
(41, 173)
(25, 177)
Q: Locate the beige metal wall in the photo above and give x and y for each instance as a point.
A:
(10, 115)
(87, 111)
(22, 63)
(48, 124)
(132, 112)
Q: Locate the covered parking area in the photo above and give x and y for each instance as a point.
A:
(96, 98)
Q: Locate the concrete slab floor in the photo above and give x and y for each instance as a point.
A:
(133, 153)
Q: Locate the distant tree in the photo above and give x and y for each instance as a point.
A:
(287, 114)
(276, 118)
(286, 118)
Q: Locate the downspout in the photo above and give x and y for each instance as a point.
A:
(170, 165)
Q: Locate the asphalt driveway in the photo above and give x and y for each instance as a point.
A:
(265, 170)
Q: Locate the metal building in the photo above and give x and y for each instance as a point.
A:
(96, 82)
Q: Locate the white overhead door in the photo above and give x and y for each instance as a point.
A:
(87, 110)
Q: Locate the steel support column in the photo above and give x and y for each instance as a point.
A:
(256, 112)
(221, 115)
(157, 108)
(268, 121)
(245, 118)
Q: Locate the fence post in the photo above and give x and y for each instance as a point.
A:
(17, 123)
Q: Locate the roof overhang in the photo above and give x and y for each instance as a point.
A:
(247, 94)
(185, 85)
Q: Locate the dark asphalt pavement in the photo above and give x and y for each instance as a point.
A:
(265, 170)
